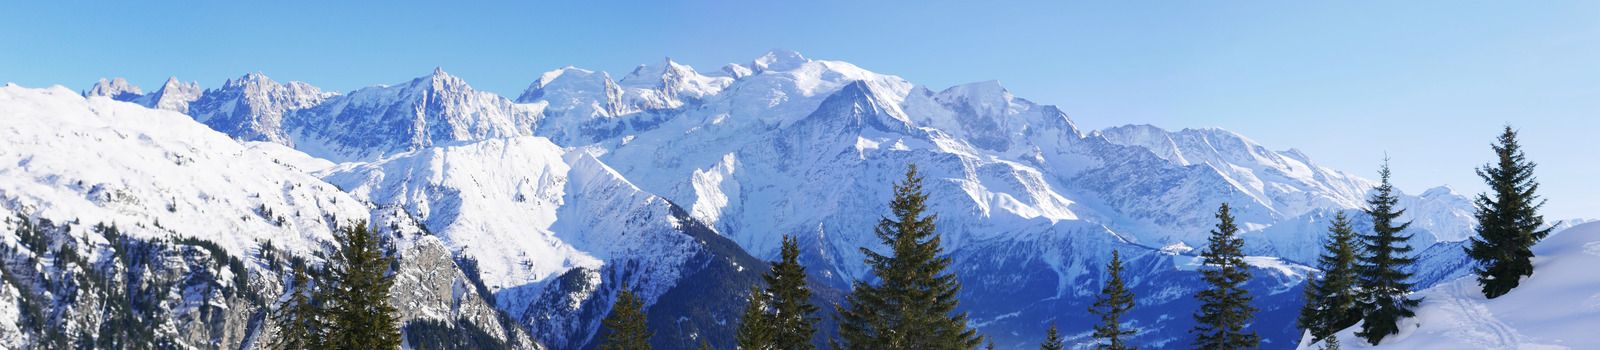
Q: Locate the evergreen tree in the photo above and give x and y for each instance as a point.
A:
(626, 325)
(298, 320)
(756, 329)
(704, 345)
(1052, 340)
(1225, 306)
(1115, 300)
(1331, 300)
(359, 294)
(1384, 267)
(1332, 343)
(1509, 223)
(914, 306)
(792, 322)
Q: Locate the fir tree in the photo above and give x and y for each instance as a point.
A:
(792, 322)
(1384, 267)
(1509, 223)
(914, 306)
(1225, 306)
(756, 329)
(1114, 302)
(1052, 340)
(360, 314)
(298, 320)
(626, 324)
(1331, 300)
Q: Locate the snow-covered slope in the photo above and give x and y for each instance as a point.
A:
(1556, 308)
(110, 203)
(554, 234)
(104, 161)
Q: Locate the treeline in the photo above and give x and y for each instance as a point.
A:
(1363, 279)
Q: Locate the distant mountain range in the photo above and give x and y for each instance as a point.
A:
(519, 219)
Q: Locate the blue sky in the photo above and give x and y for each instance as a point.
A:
(1428, 83)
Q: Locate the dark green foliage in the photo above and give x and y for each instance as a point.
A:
(703, 345)
(1052, 340)
(298, 321)
(914, 305)
(1331, 300)
(1332, 343)
(791, 316)
(756, 326)
(357, 293)
(1115, 300)
(1225, 308)
(1509, 223)
(625, 325)
(1385, 266)
(435, 334)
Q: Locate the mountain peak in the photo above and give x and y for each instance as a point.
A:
(779, 60)
(115, 88)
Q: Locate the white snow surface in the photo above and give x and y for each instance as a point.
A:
(155, 172)
(1556, 308)
(526, 210)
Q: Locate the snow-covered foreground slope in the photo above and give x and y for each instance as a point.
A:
(1556, 308)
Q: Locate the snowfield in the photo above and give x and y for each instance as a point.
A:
(1556, 308)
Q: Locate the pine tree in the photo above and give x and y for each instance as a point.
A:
(1509, 223)
(626, 324)
(792, 322)
(1052, 340)
(1331, 300)
(1384, 267)
(756, 329)
(1114, 302)
(1225, 306)
(914, 306)
(359, 295)
(298, 320)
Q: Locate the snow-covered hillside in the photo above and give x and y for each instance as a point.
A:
(1556, 308)
(180, 219)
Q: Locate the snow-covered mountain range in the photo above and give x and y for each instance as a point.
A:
(678, 182)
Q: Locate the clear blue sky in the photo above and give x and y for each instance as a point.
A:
(1430, 83)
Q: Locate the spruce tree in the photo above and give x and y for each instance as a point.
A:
(792, 322)
(626, 324)
(1225, 305)
(360, 314)
(1331, 300)
(298, 320)
(756, 329)
(1384, 267)
(913, 307)
(1115, 300)
(1052, 340)
(1509, 223)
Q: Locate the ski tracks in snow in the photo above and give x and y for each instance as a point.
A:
(1475, 322)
